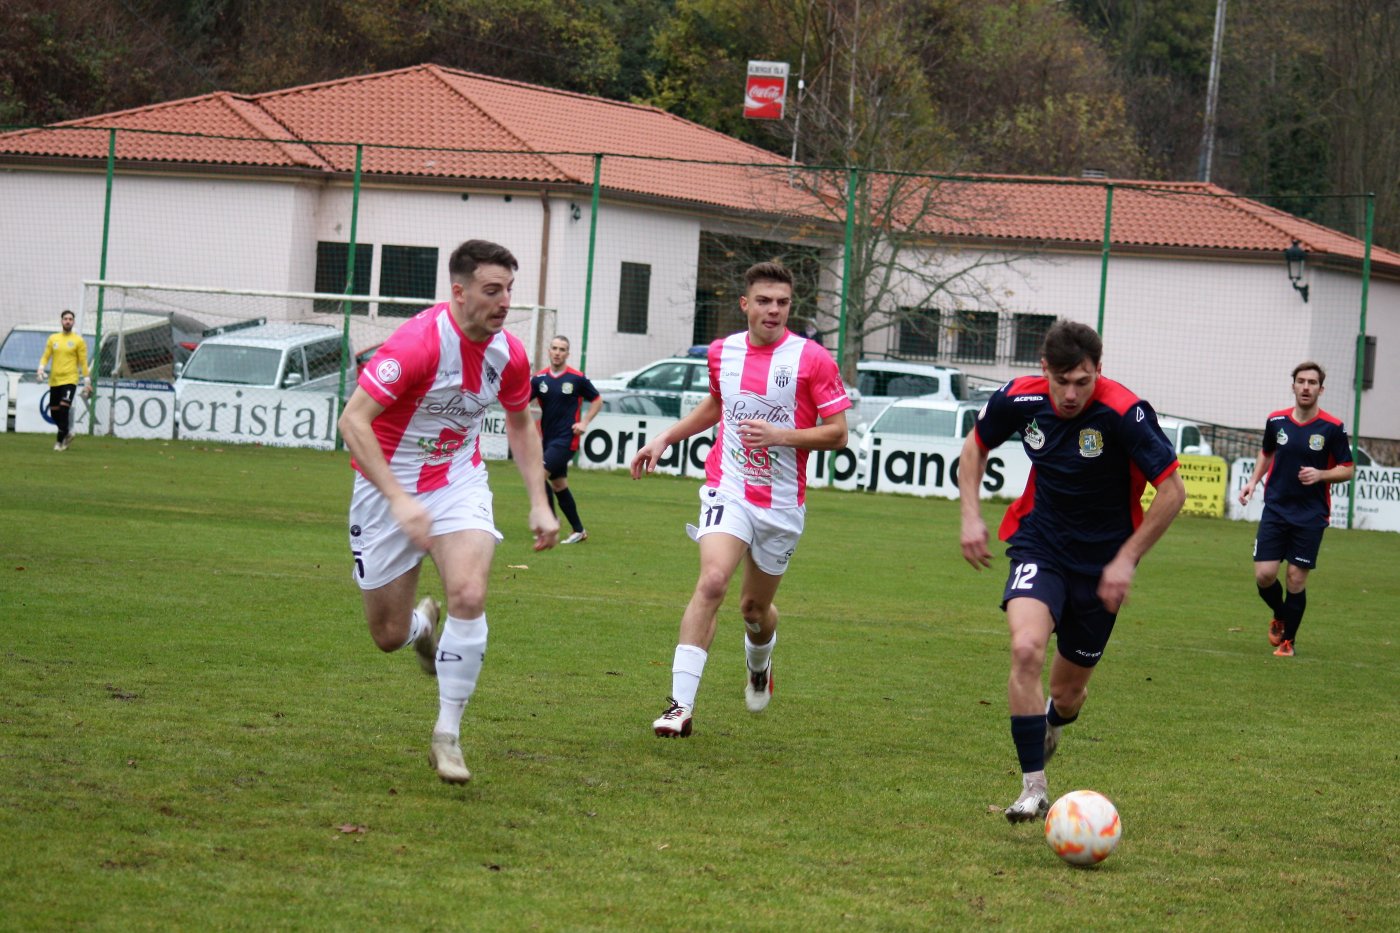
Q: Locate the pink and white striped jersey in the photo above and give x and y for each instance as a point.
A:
(435, 385)
(792, 382)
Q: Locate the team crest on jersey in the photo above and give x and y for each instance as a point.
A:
(388, 371)
(1315, 442)
(1090, 442)
(544, 386)
(782, 375)
(491, 375)
(567, 388)
(1035, 438)
(1282, 437)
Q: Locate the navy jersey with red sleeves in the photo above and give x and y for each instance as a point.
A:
(560, 399)
(1083, 497)
(1321, 443)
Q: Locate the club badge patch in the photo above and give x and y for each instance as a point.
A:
(388, 371)
(1282, 437)
(1315, 442)
(1090, 442)
(782, 375)
(567, 388)
(1035, 438)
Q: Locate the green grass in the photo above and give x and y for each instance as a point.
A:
(192, 716)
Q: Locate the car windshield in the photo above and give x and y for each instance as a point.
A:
(23, 348)
(246, 366)
(916, 422)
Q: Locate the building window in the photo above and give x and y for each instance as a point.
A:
(331, 262)
(918, 333)
(407, 272)
(977, 336)
(1030, 334)
(633, 298)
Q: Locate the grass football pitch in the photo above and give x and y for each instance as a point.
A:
(197, 733)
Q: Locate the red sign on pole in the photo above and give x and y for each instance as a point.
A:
(765, 92)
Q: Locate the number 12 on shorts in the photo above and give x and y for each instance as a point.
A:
(1024, 574)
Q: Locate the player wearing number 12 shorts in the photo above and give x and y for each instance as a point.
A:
(775, 396)
(1076, 533)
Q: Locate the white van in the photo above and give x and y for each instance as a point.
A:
(269, 356)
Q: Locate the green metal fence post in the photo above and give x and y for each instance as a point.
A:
(1107, 244)
(91, 401)
(852, 180)
(1361, 348)
(346, 359)
(592, 249)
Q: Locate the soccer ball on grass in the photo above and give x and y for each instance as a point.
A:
(1083, 828)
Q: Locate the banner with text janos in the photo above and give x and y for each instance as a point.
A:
(1377, 497)
(258, 416)
(765, 91)
(123, 408)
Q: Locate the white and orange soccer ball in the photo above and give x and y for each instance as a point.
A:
(1083, 828)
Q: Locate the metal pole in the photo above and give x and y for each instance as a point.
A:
(1212, 94)
(346, 359)
(102, 273)
(592, 249)
(1361, 348)
(1107, 244)
(852, 179)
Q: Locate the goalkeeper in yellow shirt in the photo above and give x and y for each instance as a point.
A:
(68, 353)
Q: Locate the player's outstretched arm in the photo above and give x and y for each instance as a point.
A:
(525, 448)
(357, 428)
(972, 466)
(702, 417)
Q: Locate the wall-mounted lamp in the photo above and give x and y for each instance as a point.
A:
(575, 211)
(1297, 259)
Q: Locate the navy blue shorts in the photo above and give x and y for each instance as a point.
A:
(1082, 622)
(556, 459)
(1281, 540)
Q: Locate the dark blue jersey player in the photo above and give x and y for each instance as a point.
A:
(1076, 534)
(1305, 451)
(560, 392)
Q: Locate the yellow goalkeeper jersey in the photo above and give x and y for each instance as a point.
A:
(69, 355)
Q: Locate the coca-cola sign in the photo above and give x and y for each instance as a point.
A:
(765, 92)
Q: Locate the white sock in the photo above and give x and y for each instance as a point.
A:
(416, 626)
(460, 653)
(685, 673)
(758, 655)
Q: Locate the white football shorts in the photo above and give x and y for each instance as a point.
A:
(381, 549)
(771, 534)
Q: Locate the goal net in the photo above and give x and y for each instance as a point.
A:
(275, 369)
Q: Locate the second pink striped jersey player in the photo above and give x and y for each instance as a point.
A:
(791, 383)
(435, 385)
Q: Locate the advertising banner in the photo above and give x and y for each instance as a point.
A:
(1205, 479)
(765, 91)
(124, 408)
(258, 416)
(1377, 497)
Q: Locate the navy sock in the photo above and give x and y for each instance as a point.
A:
(1273, 595)
(566, 505)
(1028, 732)
(1291, 615)
(1053, 717)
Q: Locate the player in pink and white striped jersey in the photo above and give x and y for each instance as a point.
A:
(412, 428)
(775, 396)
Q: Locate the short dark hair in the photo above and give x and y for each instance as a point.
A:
(1069, 343)
(561, 337)
(66, 313)
(772, 271)
(473, 253)
(1321, 373)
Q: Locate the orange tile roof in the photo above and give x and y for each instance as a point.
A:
(435, 122)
